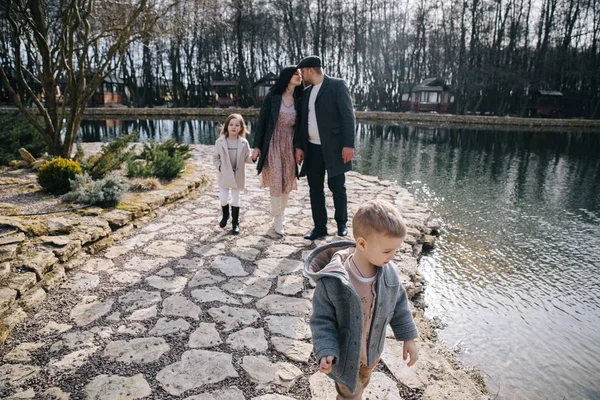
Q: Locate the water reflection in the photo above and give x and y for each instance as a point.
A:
(516, 273)
(155, 130)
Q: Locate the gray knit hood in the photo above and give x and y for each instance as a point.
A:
(328, 260)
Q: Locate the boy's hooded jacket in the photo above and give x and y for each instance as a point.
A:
(336, 322)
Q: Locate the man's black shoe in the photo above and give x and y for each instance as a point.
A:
(342, 230)
(315, 234)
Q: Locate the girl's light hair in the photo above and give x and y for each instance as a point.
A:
(378, 216)
(244, 130)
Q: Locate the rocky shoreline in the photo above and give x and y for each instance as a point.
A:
(180, 308)
(483, 122)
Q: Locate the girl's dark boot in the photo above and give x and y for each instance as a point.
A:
(235, 220)
(225, 216)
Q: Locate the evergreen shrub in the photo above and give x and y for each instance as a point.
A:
(106, 192)
(17, 132)
(55, 175)
(110, 158)
(162, 160)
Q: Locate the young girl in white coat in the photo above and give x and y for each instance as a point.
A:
(231, 153)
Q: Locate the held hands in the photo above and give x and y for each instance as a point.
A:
(299, 156)
(347, 154)
(410, 348)
(255, 154)
(325, 364)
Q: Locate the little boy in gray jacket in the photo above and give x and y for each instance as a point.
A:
(358, 293)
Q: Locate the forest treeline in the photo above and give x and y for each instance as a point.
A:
(492, 53)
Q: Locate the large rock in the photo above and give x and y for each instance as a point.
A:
(290, 284)
(139, 299)
(248, 286)
(15, 375)
(196, 368)
(291, 327)
(21, 282)
(166, 248)
(293, 349)
(267, 374)
(273, 267)
(232, 393)
(229, 266)
(179, 306)
(454, 385)
(25, 155)
(137, 351)
(11, 238)
(115, 387)
(117, 218)
(82, 282)
(143, 314)
(71, 361)
(73, 341)
(275, 304)
(164, 326)
(233, 318)
(249, 338)
(204, 277)
(206, 335)
(210, 294)
(32, 299)
(7, 298)
(171, 285)
(21, 353)
(85, 313)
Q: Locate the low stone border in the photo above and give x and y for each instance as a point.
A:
(36, 252)
(405, 118)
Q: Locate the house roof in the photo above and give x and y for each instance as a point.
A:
(422, 88)
(270, 77)
(550, 93)
(225, 83)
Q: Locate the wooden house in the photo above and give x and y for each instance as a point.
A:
(545, 104)
(431, 95)
(262, 86)
(224, 93)
(111, 91)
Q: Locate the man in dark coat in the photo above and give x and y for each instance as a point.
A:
(325, 142)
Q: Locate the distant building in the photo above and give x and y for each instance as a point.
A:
(224, 93)
(262, 86)
(111, 91)
(432, 94)
(545, 104)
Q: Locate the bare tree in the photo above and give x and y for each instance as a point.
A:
(80, 41)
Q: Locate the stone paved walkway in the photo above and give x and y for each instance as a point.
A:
(182, 309)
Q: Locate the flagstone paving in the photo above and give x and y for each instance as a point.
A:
(183, 309)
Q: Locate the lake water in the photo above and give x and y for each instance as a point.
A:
(515, 275)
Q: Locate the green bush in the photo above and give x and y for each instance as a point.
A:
(110, 158)
(17, 132)
(162, 160)
(106, 192)
(54, 176)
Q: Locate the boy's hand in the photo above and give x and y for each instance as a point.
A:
(410, 348)
(325, 365)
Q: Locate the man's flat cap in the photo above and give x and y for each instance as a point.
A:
(310, 62)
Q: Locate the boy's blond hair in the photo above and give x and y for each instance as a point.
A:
(378, 216)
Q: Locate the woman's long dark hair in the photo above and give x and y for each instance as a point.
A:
(282, 82)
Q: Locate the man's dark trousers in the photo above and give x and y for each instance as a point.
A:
(315, 173)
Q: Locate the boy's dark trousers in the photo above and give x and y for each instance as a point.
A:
(315, 173)
(364, 376)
